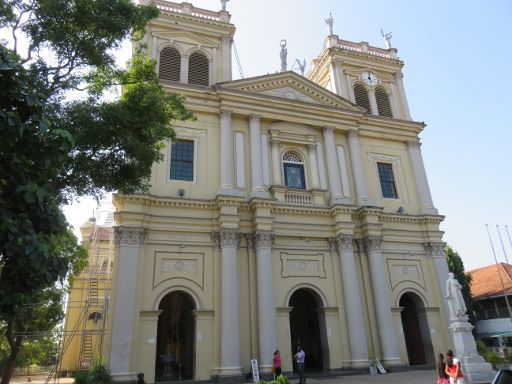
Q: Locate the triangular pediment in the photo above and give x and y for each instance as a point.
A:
(289, 85)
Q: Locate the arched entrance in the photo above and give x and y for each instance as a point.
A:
(305, 330)
(416, 330)
(175, 338)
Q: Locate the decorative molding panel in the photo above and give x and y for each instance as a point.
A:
(173, 265)
(405, 271)
(303, 265)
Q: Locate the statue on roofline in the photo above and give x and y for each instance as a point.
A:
(330, 22)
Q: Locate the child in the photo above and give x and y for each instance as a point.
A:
(453, 369)
(442, 377)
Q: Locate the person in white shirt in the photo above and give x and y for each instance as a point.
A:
(300, 358)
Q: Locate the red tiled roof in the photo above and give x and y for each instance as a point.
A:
(487, 282)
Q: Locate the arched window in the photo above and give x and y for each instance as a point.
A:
(170, 64)
(383, 104)
(293, 170)
(198, 72)
(361, 95)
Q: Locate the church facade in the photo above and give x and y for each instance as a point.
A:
(295, 211)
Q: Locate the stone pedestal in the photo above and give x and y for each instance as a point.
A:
(475, 369)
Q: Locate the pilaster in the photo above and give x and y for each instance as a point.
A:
(276, 162)
(332, 167)
(129, 241)
(387, 332)
(354, 149)
(373, 101)
(184, 69)
(230, 322)
(256, 162)
(226, 153)
(352, 294)
(420, 177)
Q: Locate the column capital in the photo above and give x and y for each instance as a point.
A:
(413, 144)
(352, 133)
(275, 141)
(130, 236)
(225, 114)
(435, 249)
(333, 245)
(328, 129)
(184, 56)
(254, 118)
(312, 146)
(399, 75)
(373, 243)
(229, 237)
(345, 242)
(216, 241)
(263, 239)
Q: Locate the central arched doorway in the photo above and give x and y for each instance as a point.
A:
(416, 330)
(305, 328)
(175, 338)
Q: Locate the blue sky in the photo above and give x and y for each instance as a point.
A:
(458, 80)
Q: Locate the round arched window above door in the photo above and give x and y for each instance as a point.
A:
(293, 170)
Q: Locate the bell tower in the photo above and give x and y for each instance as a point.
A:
(191, 45)
(370, 77)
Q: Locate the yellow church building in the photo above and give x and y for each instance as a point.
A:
(295, 211)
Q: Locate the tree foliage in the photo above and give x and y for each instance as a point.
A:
(62, 138)
(456, 266)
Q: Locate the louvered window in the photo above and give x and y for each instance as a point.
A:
(361, 95)
(293, 171)
(198, 69)
(170, 64)
(383, 104)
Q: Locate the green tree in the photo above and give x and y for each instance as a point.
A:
(456, 266)
(62, 137)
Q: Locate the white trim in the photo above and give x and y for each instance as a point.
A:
(398, 175)
(240, 164)
(189, 134)
(343, 171)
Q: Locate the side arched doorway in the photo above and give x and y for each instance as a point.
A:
(416, 330)
(175, 338)
(306, 328)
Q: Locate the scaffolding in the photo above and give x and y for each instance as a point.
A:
(83, 338)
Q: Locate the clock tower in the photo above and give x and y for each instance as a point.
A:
(370, 77)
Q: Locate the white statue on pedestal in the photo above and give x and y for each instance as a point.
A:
(283, 54)
(476, 370)
(454, 296)
(330, 21)
(387, 38)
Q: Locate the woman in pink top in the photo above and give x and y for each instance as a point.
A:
(276, 364)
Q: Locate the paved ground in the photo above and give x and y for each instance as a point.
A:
(410, 377)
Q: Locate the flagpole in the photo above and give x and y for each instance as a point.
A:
(508, 235)
(499, 273)
(502, 245)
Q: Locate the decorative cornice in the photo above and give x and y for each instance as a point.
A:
(373, 243)
(345, 242)
(263, 239)
(129, 236)
(229, 237)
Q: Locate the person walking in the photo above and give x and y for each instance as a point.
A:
(453, 369)
(300, 358)
(276, 364)
(442, 377)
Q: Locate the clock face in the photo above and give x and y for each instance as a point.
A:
(369, 78)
